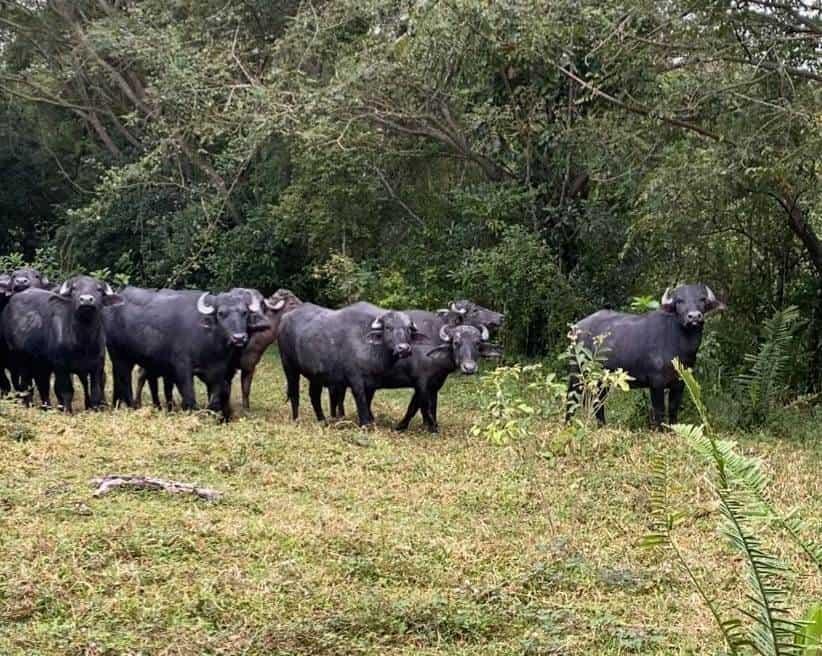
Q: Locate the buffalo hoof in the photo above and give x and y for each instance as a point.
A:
(401, 427)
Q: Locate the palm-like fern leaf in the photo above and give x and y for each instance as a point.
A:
(763, 384)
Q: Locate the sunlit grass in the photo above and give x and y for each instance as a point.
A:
(331, 540)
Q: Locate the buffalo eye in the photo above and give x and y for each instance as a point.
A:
(223, 313)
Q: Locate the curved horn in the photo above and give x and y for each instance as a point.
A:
(485, 334)
(666, 297)
(377, 324)
(454, 308)
(109, 291)
(274, 306)
(202, 306)
(254, 306)
(445, 336)
(711, 295)
(65, 288)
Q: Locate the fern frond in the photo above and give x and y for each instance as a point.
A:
(772, 633)
(763, 384)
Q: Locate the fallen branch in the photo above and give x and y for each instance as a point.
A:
(108, 483)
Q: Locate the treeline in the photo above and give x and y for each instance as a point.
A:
(542, 158)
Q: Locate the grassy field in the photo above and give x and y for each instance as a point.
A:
(330, 540)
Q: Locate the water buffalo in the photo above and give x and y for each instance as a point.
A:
(28, 278)
(60, 333)
(425, 371)
(644, 345)
(273, 308)
(180, 334)
(351, 347)
(457, 313)
(10, 284)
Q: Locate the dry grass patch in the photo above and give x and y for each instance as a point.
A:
(334, 541)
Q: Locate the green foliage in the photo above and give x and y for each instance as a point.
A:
(644, 304)
(810, 638)
(740, 487)
(593, 382)
(520, 276)
(764, 384)
(513, 399)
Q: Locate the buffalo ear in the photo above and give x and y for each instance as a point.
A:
(374, 337)
(420, 338)
(206, 322)
(490, 350)
(112, 299)
(439, 352)
(58, 298)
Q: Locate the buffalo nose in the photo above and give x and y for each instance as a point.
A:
(403, 349)
(21, 283)
(695, 316)
(239, 339)
(86, 299)
(468, 367)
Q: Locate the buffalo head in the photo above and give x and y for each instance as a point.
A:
(235, 313)
(396, 332)
(87, 296)
(24, 279)
(281, 301)
(465, 345)
(468, 312)
(690, 304)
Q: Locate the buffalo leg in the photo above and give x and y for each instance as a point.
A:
(292, 390)
(413, 406)
(336, 396)
(64, 389)
(154, 391)
(425, 408)
(245, 382)
(675, 400)
(122, 383)
(85, 385)
(185, 383)
(5, 385)
(364, 416)
(658, 407)
(602, 395)
(96, 384)
(168, 392)
(142, 378)
(43, 381)
(315, 393)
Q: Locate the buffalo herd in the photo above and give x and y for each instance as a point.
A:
(57, 331)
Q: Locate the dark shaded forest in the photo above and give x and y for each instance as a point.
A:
(545, 159)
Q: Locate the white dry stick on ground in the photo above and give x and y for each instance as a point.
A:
(108, 483)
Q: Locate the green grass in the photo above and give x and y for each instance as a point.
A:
(330, 540)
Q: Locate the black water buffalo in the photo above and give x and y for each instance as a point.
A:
(457, 313)
(351, 347)
(180, 334)
(425, 371)
(10, 284)
(644, 345)
(60, 333)
(28, 278)
(273, 308)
